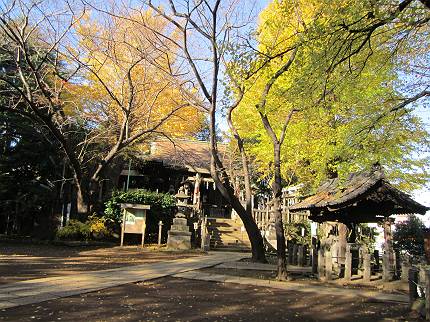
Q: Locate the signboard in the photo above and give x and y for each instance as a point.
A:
(133, 220)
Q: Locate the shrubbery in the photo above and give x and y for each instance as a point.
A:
(74, 230)
(94, 228)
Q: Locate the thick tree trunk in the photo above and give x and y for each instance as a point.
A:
(279, 227)
(254, 235)
(227, 191)
(93, 200)
(82, 206)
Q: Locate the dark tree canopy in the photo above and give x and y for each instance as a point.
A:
(409, 236)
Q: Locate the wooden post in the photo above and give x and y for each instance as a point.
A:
(321, 263)
(160, 226)
(366, 265)
(204, 245)
(413, 282)
(143, 230)
(196, 192)
(348, 263)
(328, 265)
(122, 227)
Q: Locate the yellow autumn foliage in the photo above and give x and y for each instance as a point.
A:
(131, 74)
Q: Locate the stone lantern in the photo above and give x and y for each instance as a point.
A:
(179, 236)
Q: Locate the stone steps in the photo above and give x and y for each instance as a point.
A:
(227, 234)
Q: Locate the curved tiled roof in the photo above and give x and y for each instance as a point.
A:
(192, 155)
(334, 195)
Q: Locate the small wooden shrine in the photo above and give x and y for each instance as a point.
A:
(362, 198)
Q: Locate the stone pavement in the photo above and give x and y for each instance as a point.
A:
(50, 288)
(297, 287)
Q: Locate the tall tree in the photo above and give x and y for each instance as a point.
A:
(351, 117)
(30, 176)
(316, 110)
(53, 68)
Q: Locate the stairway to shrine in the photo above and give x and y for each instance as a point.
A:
(227, 234)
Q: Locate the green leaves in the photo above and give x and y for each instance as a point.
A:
(349, 116)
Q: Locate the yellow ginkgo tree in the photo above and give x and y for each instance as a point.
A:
(130, 88)
(100, 84)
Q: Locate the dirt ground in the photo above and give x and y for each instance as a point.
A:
(175, 299)
(21, 261)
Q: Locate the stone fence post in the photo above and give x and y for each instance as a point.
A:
(314, 260)
(160, 227)
(405, 269)
(321, 264)
(328, 265)
(387, 273)
(348, 263)
(367, 270)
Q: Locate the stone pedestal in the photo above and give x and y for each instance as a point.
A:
(179, 236)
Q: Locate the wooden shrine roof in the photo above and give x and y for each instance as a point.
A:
(367, 191)
(188, 154)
